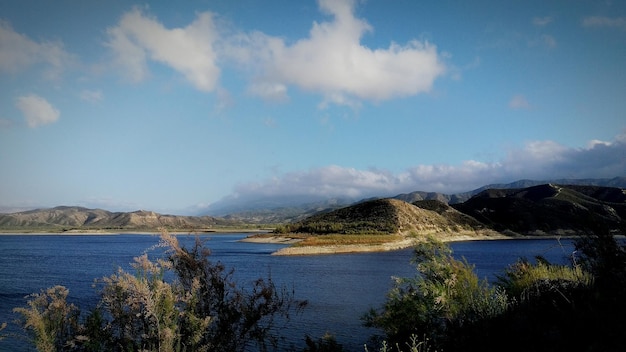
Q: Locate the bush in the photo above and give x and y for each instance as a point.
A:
(52, 320)
(203, 310)
(445, 298)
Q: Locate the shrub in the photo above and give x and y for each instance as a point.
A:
(524, 280)
(202, 310)
(52, 321)
(445, 298)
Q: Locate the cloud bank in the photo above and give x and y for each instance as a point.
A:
(536, 160)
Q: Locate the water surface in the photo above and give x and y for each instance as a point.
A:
(340, 288)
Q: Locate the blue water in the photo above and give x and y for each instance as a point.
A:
(340, 288)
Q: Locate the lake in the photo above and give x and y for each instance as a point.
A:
(340, 288)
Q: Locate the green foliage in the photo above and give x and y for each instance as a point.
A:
(203, 310)
(320, 227)
(524, 280)
(563, 308)
(444, 297)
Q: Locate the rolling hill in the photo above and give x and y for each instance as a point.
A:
(388, 216)
(63, 219)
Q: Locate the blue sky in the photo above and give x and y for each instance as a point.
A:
(176, 107)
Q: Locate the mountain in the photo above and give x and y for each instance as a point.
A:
(549, 209)
(65, 218)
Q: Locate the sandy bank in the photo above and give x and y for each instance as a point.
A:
(406, 242)
(271, 239)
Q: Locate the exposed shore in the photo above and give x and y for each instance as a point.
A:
(406, 242)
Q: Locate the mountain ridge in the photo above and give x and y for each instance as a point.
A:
(261, 213)
(64, 218)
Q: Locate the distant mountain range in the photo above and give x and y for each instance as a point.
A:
(526, 207)
(291, 210)
(64, 219)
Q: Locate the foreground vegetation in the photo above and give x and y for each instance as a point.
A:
(202, 310)
(534, 306)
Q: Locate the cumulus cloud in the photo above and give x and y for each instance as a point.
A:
(36, 110)
(538, 160)
(519, 101)
(601, 21)
(18, 52)
(138, 38)
(333, 62)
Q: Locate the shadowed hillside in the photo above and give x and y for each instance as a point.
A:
(549, 209)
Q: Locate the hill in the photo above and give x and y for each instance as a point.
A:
(63, 219)
(549, 209)
(386, 217)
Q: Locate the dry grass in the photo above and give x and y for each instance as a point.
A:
(332, 240)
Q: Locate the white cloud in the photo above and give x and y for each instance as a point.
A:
(600, 21)
(36, 110)
(138, 38)
(539, 160)
(18, 52)
(542, 21)
(333, 62)
(519, 101)
(92, 96)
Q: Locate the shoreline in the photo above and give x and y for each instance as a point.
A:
(389, 246)
(133, 232)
